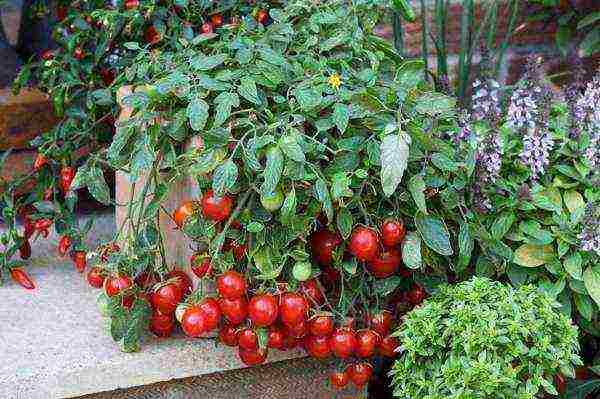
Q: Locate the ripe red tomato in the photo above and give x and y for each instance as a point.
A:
(193, 322)
(386, 264)
(79, 259)
(311, 290)
(381, 323)
(392, 232)
(79, 53)
(95, 277)
(321, 326)
(231, 285)
(276, 338)
(317, 347)
(343, 343)
(117, 284)
(323, 243)
(63, 245)
(151, 35)
(212, 311)
(67, 174)
(339, 379)
(293, 308)
(366, 342)
(25, 250)
(239, 251)
(131, 4)
(216, 20)
(217, 209)
(360, 374)
(253, 357)
(247, 339)
(207, 28)
(20, 277)
(182, 280)
(40, 162)
(387, 346)
(165, 297)
(364, 243)
(228, 335)
(235, 310)
(184, 211)
(416, 295)
(262, 16)
(201, 265)
(263, 310)
(161, 325)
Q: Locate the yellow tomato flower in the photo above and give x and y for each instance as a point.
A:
(335, 81)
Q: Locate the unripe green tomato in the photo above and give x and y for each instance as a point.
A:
(302, 271)
(272, 202)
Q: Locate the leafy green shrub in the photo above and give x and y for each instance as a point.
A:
(483, 339)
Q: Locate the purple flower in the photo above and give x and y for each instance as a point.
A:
(464, 127)
(486, 100)
(489, 158)
(522, 109)
(590, 234)
(587, 115)
(537, 144)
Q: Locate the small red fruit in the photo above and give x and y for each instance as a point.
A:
(317, 347)
(216, 209)
(79, 259)
(117, 284)
(247, 339)
(312, 291)
(47, 55)
(151, 35)
(321, 326)
(235, 310)
(182, 280)
(201, 265)
(263, 310)
(165, 297)
(386, 264)
(67, 174)
(162, 325)
(131, 4)
(78, 53)
(262, 16)
(212, 311)
(381, 323)
(276, 338)
(231, 285)
(193, 322)
(364, 244)
(416, 295)
(184, 211)
(323, 243)
(360, 374)
(207, 28)
(342, 343)
(95, 277)
(293, 309)
(20, 277)
(366, 342)
(228, 335)
(339, 379)
(25, 250)
(40, 162)
(392, 233)
(253, 357)
(239, 251)
(63, 245)
(216, 20)
(387, 346)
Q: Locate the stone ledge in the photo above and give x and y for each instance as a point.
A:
(53, 342)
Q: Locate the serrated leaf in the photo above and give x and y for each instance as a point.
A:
(341, 116)
(273, 170)
(344, 222)
(255, 227)
(322, 194)
(411, 251)
(247, 89)
(97, 186)
(591, 279)
(340, 186)
(386, 286)
(442, 162)
(394, 159)
(205, 63)
(289, 144)
(434, 233)
(288, 208)
(197, 112)
(224, 177)
(530, 255)
(435, 104)
(416, 186)
(225, 102)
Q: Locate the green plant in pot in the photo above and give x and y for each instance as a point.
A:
(484, 339)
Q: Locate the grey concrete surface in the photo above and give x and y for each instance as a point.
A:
(53, 342)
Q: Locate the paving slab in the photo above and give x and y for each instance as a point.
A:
(53, 342)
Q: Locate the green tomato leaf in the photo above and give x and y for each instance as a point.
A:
(345, 222)
(224, 177)
(273, 170)
(386, 286)
(248, 90)
(411, 251)
(394, 158)
(434, 233)
(416, 186)
(341, 116)
(205, 63)
(197, 112)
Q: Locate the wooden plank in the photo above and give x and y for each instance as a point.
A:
(23, 117)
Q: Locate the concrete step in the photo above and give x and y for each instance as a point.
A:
(54, 345)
